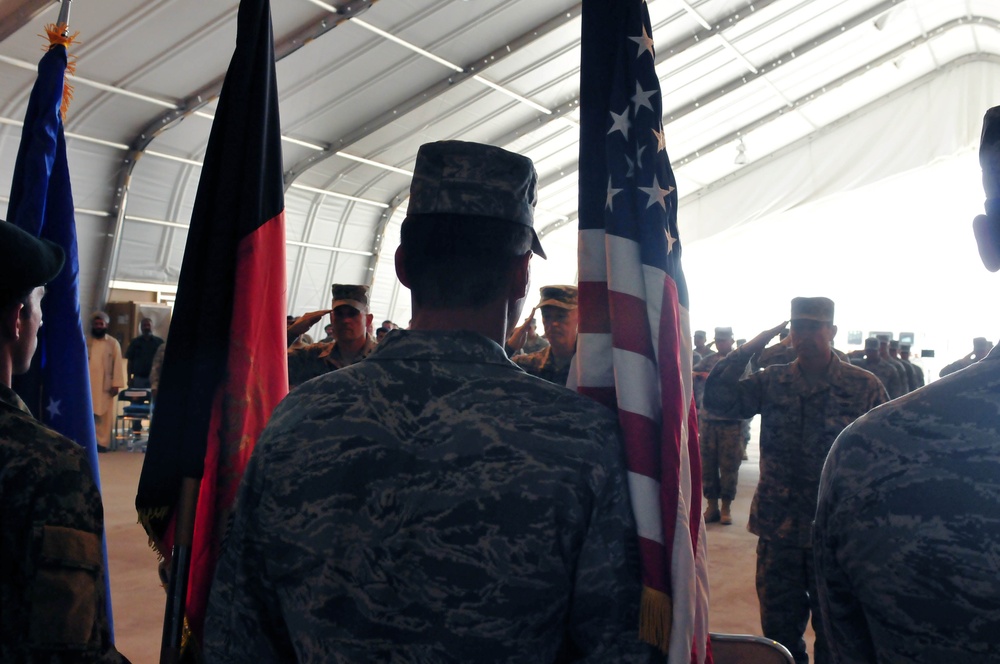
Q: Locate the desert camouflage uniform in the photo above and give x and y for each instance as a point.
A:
(918, 375)
(904, 380)
(543, 364)
(431, 504)
(911, 374)
(780, 354)
(52, 605)
(307, 362)
(799, 422)
(886, 374)
(908, 527)
(721, 441)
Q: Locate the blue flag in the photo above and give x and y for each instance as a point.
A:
(41, 203)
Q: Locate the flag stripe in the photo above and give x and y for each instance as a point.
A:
(637, 339)
(594, 350)
(594, 313)
(639, 394)
(592, 255)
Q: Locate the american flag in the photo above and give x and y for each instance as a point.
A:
(634, 348)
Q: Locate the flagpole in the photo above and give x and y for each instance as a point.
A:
(64, 17)
(180, 567)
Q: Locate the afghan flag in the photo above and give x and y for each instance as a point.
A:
(634, 349)
(224, 367)
(57, 389)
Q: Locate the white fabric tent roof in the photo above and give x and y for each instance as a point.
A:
(823, 96)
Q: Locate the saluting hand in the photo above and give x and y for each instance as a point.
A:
(520, 334)
(758, 343)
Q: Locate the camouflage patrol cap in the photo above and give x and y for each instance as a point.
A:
(723, 333)
(475, 180)
(26, 262)
(352, 295)
(812, 308)
(564, 297)
(882, 338)
(700, 334)
(871, 343)
(904, 348)
(894, 344)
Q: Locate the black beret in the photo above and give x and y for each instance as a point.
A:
(26, 261)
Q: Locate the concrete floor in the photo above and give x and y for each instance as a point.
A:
(139, 600)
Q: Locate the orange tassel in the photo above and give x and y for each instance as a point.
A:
(655, 617)
(56, 35)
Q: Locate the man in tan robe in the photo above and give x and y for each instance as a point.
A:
(107, 377)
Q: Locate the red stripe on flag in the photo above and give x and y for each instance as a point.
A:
(629, 327)
(694, 454)
(256, 380)
(673, 411)
(594, 311)
(654, 574)
(602, 395)
(642, 435)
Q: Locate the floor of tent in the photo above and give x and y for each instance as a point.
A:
(138, 599)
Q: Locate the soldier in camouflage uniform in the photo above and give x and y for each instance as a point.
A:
(435, 503)
(721, 441)
(351, 318)
(918, 372)
(911, 377)
(803, 406)
(897, 366)
(885, 372)
(52, 598)
(980, 347)
(561, 320)
(908, 521)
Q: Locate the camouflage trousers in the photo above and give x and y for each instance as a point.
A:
(786, 590)
(721, 444)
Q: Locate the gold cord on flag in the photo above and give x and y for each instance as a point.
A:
(655, 617)
(58, 35)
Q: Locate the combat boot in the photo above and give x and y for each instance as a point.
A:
(725, 518)
(712, 511)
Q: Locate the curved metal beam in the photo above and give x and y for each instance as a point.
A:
(196, 100)
(432, 92)
(729, 86)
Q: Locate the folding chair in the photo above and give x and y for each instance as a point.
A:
(138, 407)
(748, 649)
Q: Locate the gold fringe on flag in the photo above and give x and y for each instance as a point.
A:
(58, 35)
(655, 617)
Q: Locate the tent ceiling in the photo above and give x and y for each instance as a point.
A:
(362, 84)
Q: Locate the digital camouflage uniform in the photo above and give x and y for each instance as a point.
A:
(52, 604)
(908, 527)
(307, 362)
(799, 422)
(721, 441)
(431, 504)
(543, 364)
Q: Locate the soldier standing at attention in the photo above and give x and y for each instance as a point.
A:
(721, 441)
(918, 372)
(396, 510)
(561, 320)
(803, 406)
(908, 521)
(897, 366)
(52, 581)
(911, 377)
